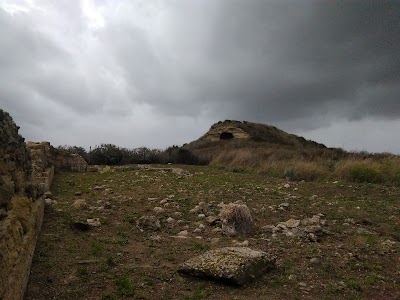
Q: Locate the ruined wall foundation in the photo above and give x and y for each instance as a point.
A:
(26, 173)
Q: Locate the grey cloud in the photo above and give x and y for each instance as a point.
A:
(302, 65)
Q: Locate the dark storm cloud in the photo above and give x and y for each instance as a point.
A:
(297, 64)
(296, 60)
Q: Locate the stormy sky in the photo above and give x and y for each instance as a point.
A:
(156, 73)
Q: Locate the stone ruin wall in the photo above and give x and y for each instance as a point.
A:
(26, 173)
(46, 160)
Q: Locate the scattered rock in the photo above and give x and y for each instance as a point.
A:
(388, 246)
(217, 230)
(233, 265)
(316, 229)
(291, 223)
(212, 220)
(236, 219)
(105, 169)
(170, 220)
(286, 186)
(283, 206)
(241, 244)
(80, 204)
(180, 172)
(148, 223)
(314, 260)
(92, 169)
(183, 234)
(158, 210)
(314, 220)
(94, 222)
(79, 193)
(201, 216)
(309, 229)
(302, 284)
(164, 201)
(196, 209)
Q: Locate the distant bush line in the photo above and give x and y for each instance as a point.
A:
(310, 164)
(109, 154)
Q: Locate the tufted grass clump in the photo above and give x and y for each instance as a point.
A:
(360, 171)
(124, 286)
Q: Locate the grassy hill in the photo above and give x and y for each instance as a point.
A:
(245, 146)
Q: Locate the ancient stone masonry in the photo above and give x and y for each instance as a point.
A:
(44, 156)
(26, 173)
(21, 210)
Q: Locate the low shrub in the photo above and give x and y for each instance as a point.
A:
(360, 171)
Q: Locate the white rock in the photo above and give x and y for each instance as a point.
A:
(291, 223)
(302, 284)
(158, 209)
(163, 201)
(241, 244)
(314, 260)
(93, 222)
(183, 233)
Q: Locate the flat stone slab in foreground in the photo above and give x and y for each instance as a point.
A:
(233, 265)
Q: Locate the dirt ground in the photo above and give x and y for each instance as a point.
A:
(355, 257)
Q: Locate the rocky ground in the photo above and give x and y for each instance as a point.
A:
(123, 234)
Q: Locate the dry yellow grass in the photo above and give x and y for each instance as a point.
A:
(295, 165)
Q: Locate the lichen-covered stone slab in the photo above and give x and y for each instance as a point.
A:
(233, 265)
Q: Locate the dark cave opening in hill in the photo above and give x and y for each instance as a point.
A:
(225, 136)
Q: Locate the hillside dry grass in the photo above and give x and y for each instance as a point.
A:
(309, 166)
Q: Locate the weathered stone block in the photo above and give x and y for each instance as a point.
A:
(233, 265)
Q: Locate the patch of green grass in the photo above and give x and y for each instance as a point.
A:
(361, 172)
(239, 170)
(122, 234)
(96, 248)
(353, 284)
(371, 279)
(110, 296)
(124, 286)
(104, 221)
(122, 242)
(110, 261)
(132, 218)
(197, 246)
(83, 273)
(197, 295)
